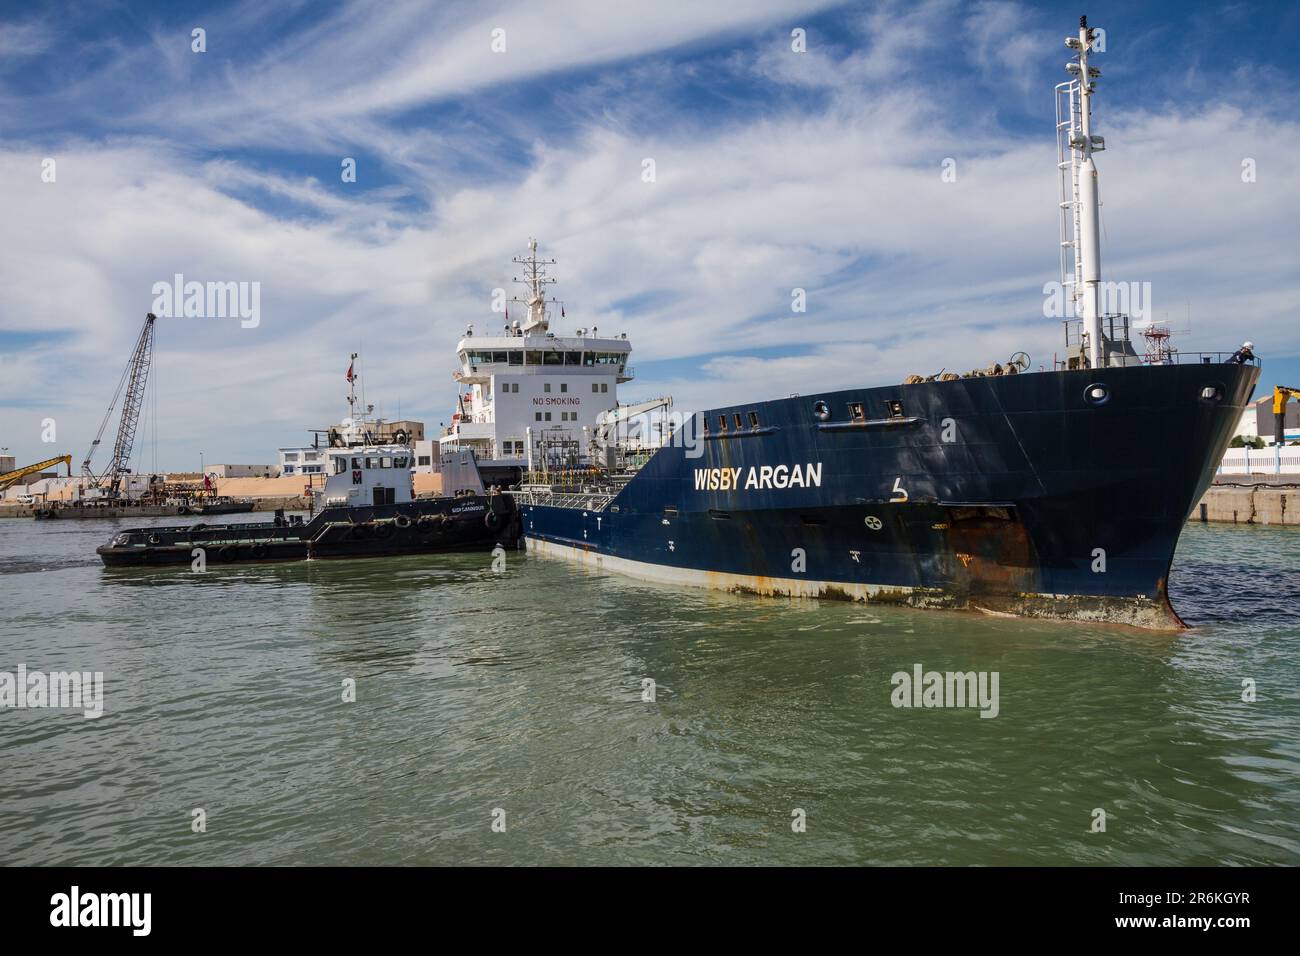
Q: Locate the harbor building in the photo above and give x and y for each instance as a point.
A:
(244, 471)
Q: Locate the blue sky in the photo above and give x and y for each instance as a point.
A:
(775, 170)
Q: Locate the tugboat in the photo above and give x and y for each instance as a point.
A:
(1001, 490)
(366, 509)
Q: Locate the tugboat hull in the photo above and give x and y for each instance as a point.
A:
(425, 526)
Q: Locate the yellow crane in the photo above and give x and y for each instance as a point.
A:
(18, 474)
(1281, 393)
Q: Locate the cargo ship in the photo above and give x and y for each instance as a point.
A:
(1003, 490)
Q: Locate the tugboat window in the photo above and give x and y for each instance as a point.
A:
(356, 462)
(385, 463)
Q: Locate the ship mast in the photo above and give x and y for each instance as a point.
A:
(1080, 205)
(536, 280)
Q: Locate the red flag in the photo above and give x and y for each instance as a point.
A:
(207, 483)
(350, 376)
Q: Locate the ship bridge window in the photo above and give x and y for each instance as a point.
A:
(893, 408)
(553, 358)
(499, 357)
(572, 358)
(516, 358)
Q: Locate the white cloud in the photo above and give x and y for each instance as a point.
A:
(904, 273)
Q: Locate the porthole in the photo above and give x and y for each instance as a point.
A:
(1096, 394)
(1211, 394)
(822, 411)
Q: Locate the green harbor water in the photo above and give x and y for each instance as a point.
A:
(519, 697)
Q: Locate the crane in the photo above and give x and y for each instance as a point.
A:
(130, 388)
(13, 477)
(1281, 394)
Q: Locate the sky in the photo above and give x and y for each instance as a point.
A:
(899, 169)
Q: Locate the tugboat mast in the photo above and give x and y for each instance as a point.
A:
(1080, 194)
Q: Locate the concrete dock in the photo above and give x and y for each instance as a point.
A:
(1251, 499)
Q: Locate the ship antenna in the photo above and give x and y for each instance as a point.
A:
(1080, 206)
(536, 280)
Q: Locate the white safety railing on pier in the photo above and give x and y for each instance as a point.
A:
(1271, 460)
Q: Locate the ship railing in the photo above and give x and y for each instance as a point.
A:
(1173, 357)
(584, 500)
(1199, 358)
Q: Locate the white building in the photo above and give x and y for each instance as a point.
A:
(528, 387)
(302, 461)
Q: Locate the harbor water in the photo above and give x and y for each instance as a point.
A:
(543, 714)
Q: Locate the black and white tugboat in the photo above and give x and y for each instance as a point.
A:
(365, 509)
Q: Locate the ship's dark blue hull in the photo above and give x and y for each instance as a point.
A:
(1010, 494)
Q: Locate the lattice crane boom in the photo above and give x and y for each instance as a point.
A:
(131, 388)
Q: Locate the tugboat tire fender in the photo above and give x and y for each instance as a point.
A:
(402, 521)
(259, 551)
(492, 519)
(155, 539)
(228, 553)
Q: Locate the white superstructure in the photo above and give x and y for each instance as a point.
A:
(528, 387)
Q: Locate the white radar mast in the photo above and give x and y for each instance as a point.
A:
(1080, 207)
(536, 279)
